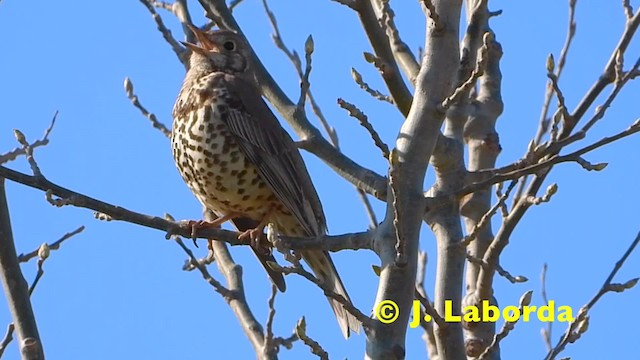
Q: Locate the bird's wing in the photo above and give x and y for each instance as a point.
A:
(268, 146)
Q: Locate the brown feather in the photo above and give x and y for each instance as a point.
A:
(272, 150)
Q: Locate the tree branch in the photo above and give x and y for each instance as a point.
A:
(580, 324)
(368, 13)
(15, 287)
(353, 241)
(414, 145)
(13, 154)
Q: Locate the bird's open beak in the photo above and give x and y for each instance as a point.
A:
(205, 45)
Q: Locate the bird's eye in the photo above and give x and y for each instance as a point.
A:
(229, 45)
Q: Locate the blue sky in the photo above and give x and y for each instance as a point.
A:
(117, 292)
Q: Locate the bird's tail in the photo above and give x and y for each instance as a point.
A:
(322, 266)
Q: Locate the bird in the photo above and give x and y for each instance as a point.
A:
(241, 164)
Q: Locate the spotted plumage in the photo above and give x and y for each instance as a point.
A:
(240, 163)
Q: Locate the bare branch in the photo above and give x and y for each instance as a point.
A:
(304, 85)
(53, 246)
(314, 346)
(628, 10)
(15, 287)
(227, 294)
(401, 51)
(43, 254)
(270, 349)
(553, 78)
(364, 122)
(499, 269)
(520, 170)
(484, 220)
(178, 49)
(543, 123)
(579, 325)
(6, 340)
(28, 151)
(353, 241)
(428, 336)
(525, 300)
(619, 84)
(364, 86)
(13, 154)
(608, 75)
(386, 62)
(128, 88)
(477, 72)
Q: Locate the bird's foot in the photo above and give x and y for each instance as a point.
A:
(195, 225)
(255, 239)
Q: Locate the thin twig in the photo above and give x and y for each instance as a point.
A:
(477, 72)
(304, 83)
(394, 170)
(543, 123)
(384, 58)
(53, 246)
(178, 49)
(364, 122)
(128, 88)
(28, 151)
(520, 171)
(578, 326)
(6, 340)
(314, 346)
(364, 86)
(227, 294)
(269, 345)
(429, 336)
(499, 269)
(507, 327)
(13, 154)
(486, 218)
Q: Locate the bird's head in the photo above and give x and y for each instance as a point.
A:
(218, 50)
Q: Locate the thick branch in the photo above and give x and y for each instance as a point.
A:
(15, 287)
(414, 146)
(368, 14)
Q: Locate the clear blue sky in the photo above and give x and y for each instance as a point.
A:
(117, 292)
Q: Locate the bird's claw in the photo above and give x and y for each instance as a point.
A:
(255, 239)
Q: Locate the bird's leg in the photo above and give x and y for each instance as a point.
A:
(255, 234)
(202, 224)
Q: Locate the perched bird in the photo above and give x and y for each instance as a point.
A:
(240, 163)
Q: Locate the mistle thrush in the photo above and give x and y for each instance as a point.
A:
(240, 163)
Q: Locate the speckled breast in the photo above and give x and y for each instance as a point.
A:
(214, 167)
